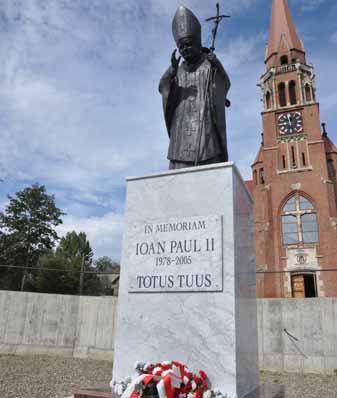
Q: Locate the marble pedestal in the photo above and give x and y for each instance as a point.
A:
(187, 288)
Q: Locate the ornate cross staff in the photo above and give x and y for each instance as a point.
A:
(217, 19)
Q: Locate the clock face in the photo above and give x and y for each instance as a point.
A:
(290, 123)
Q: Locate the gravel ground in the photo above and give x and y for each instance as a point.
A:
(304, 386)
(30, 376)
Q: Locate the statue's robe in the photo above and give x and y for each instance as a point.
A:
(193, 119)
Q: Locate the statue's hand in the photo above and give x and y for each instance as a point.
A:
(213, 60)
(175, 61)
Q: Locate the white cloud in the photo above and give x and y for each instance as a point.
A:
(74, 104)
(104, 233)
(79, 102)
(309, 5)
(243, 51)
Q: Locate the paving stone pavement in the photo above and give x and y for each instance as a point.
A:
(28, 376)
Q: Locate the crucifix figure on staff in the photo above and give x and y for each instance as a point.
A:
(194, 96)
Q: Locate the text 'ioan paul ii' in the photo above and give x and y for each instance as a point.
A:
(178, 255)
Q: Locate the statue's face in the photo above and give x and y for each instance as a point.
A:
(189, 49)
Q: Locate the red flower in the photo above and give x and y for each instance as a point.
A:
(200, 378)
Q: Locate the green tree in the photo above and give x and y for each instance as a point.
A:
(76, 250)
(28, 228)
(75, 247)
(9, 277)
(56, 275)
(106, 264)
(73, 259)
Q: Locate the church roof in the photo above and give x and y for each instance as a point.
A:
(259, 157)
(330, 147)
(250, 186)
(282, 28)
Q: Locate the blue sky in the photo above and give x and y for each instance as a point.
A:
(79, 102)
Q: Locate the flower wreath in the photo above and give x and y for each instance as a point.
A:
(172, 380)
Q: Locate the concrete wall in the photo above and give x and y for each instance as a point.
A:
(312, 321)
(57, 324)
(84, 327)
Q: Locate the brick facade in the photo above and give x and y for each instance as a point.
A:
(294, 179)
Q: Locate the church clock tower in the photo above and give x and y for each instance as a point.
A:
(294, 176)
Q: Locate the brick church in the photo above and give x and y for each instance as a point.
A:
(294, 175)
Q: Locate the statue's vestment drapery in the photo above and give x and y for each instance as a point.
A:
(194, 119)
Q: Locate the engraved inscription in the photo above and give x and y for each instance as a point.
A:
(176, 255)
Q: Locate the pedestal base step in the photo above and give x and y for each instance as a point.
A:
(101, 391)
(104, 391)
(268, 391)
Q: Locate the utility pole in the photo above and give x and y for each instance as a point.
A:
(82, 275)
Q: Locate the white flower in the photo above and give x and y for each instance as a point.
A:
(186, 380)
(176, 371)
(190, 395)
(156, 370)
(194, 385)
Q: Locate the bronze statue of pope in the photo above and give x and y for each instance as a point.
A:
(194, 98)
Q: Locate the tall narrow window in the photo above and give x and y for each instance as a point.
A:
(284, 60)
(262, 179)
(299, 222)
(268, 100)
(331, 168)
(282, 94)
(293, 160)
(284, 161)
(292, 92)
(255, 177)
(308, 93)
(304, 163)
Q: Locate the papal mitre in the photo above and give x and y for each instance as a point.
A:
(185, 24)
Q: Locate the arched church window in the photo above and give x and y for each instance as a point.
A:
(299, 222)
(292, 92)
(282, 94)
(284, 60)
(308, 97)
(268, 100)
